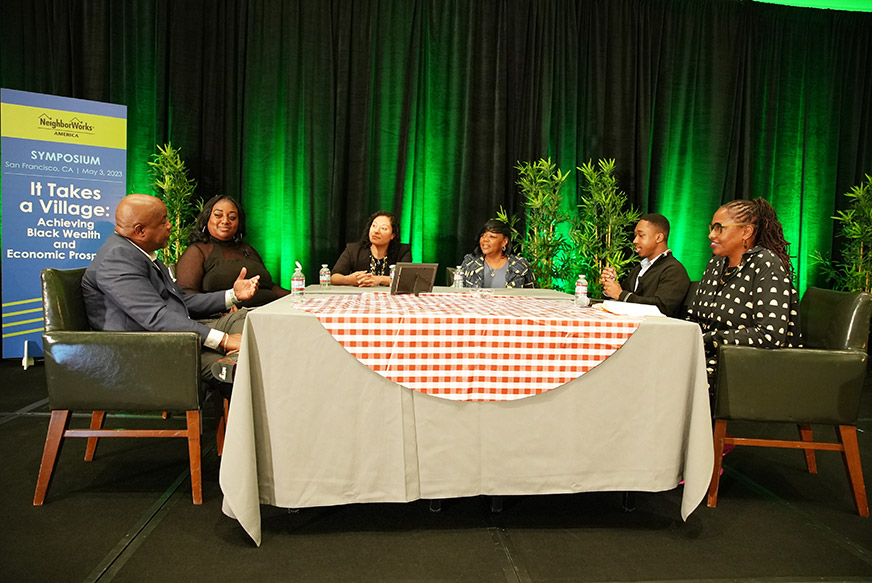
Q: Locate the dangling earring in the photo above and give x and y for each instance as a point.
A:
(745, 243)
(204, 228)
(504, 249)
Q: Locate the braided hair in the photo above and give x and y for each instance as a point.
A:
(768, 231)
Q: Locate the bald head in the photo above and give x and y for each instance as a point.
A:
(136, 208)
(142, 218)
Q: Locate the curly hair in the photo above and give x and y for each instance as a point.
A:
(200, 232)
(768, 231)
(394, 246)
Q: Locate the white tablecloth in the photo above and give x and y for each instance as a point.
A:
(309, 426)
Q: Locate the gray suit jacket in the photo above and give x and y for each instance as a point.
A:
(125, 291)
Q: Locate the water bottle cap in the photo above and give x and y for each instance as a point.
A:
(300, 267)
(322, 265)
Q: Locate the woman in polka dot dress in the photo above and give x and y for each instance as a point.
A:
(746, 295)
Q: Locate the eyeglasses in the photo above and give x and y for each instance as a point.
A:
(382, 228)
(716, 228)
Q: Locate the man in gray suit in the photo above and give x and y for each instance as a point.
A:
(127, 287)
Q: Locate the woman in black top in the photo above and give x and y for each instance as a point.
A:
(217, 252)
(367, 262)
(746, 295)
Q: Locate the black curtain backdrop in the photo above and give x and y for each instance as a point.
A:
(315, 113)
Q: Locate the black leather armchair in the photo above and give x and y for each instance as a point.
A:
(820, 383)
(112, 371)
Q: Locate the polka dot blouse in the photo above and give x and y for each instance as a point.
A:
(756, 305)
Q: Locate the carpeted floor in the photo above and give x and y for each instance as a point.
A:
(127, 516)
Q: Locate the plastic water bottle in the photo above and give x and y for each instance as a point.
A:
(298, 283)
(458, 279)
(324, 275)
(393, 269)
(581, 299)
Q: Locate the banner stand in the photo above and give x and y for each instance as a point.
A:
(26, 360)
(63, 165)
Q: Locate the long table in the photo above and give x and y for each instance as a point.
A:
(312, 426)
(540, 293)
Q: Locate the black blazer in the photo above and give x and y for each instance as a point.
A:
(664, 285)
(356, 258)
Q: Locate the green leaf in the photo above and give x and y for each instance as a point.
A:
(854, 272)
(176, 190)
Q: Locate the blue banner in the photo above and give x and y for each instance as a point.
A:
(63, 173)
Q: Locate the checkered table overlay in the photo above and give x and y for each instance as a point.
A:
(467, 348)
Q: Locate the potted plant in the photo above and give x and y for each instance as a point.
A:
(601, 229)
(543, 245)
(176, 190)
(511, 220)
(854, 271)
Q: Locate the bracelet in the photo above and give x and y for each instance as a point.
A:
(223, 344)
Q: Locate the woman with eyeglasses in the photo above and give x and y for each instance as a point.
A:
(746, 295)
(367, 262)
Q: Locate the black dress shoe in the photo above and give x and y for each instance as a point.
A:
(223, 369)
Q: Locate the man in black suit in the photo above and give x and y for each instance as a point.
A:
(660, 279)
(128, 288)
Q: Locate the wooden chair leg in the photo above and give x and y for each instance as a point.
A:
(851, 455)
(222, 426)
(97, 418)
(805, 434)
(194, 454)
(54, 438)
(719, 434)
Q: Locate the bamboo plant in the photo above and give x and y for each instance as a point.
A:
(601, 229)
(854, 271)
(176, 190)
(511, 220)
(543, 245)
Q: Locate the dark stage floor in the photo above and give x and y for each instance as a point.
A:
(127, 516)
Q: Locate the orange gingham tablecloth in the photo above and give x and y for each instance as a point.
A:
(468, 348)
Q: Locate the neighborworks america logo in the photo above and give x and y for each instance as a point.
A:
(68, 128)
